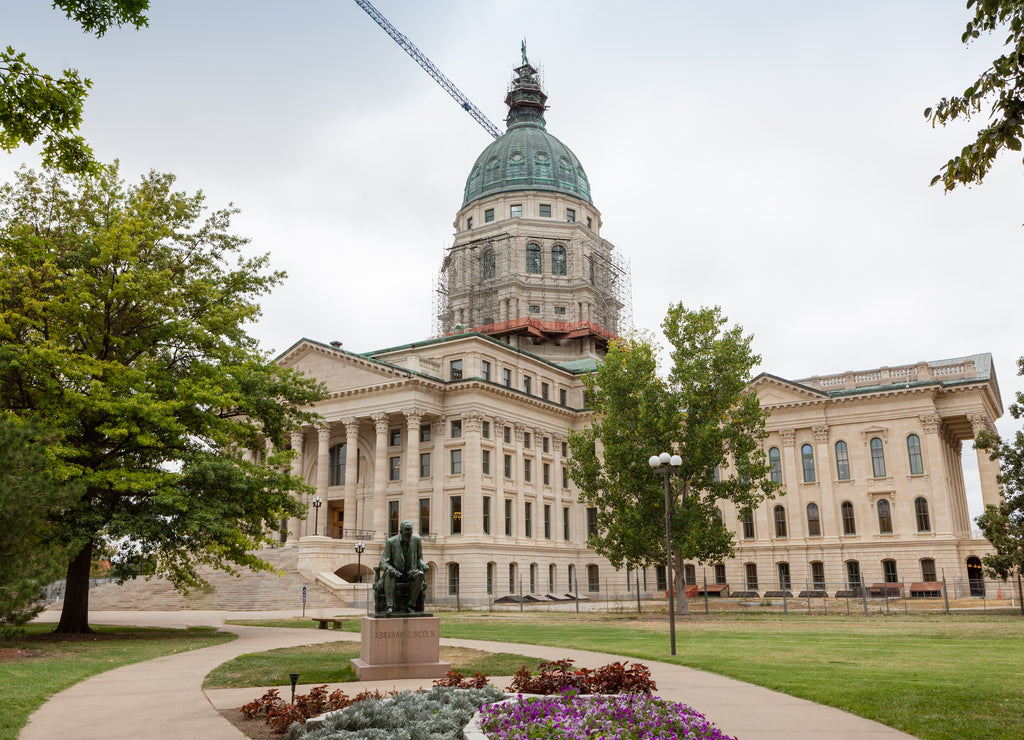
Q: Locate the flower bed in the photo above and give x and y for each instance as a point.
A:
(611, 717)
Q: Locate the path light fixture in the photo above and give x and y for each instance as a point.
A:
(360, 549)
(317, 503)
(295, 680)
(663, 464)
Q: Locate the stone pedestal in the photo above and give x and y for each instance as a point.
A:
(400, 647)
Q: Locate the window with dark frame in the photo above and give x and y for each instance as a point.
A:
(813, 521)
(884, 517)
(784, 582)
(534, 264)
(515, 211)
(455, 370)
(750, 572)
(593, 579)
(527, 470)
(508, 467)
(395, 468)
(747, 520)
(849, 521)
(424, 465)
(424, 432)
(456, 462)
(807, 457)
(485, 462)
(547, 521)
(528, 519)
(506, 377)
(558, 260)
(565, 523)
(511, 578)
(775, 460)
(456, 429)
(453, 579)
(487, 515)
(853, 574)
(544, 210)
(818, 575)
(889, 572)
(842, 461)
(488, 215)
(877, 458)
(485, 369)
(780, 521)
(508, 517)
(591, 521)
(456, 514)
(914, 453)
(570, 215)
(924, 521)
(424, 516)
(928, 574)
(393, 510)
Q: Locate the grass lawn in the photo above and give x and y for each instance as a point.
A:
(932, 676)
(329, 663)
(38, 664)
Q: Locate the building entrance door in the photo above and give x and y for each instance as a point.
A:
(975, 577)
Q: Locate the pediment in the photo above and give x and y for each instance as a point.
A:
(337, 369)
(772, 390)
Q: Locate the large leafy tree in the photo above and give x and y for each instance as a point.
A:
(30, 495)
(703, 411)
(1003, 525)
(35, 105)
(122, 328)
(999, 90)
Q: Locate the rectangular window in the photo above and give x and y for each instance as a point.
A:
(488, 215)
(534, 308)
(456, 467)
(455, 370)
(456, 507)
(565, 523)
(853, 573)
(508, 517)
(545, 391)
(565, 477)
(720, 575)
(490, 579)
(527, 470)
(506, 377)
(928, 570)
(485, 369)
(526, 440)
(424, 432)
(547, 474)
(590, 224)
(559, 310)
(751, 576)
(547, 521)
(551, 578)
(593, 578)
(660, 582)
(747, 517)
(395, 468)
(591, 521)
(515, 211)
(487, 514)
(528, 384)
(453, 579)
(546, 444)
(818, 575)
(565, 449)
(469, 222)
(508, 466)
(485, 462)
(784, 583)
(511, 578)
(533, 578)
(506, 434)
(456, 429)
(485, 429)
(424, 516)
(545, 210)
(392, 518)
(528, 519)
(570, 215)
(395, 438)
(889, 573)
(424, 465)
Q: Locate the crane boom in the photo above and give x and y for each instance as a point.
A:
(433, 71)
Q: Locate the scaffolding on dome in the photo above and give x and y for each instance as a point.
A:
(481, 286)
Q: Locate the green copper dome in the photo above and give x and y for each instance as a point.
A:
(526, 156)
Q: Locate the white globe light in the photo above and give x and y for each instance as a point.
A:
(654, 461)
(665, 458)
(676, 461)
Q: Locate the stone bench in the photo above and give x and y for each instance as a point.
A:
(322, 623)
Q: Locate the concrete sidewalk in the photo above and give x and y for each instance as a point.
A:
(163, 698)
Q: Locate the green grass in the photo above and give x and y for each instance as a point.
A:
(329, 663)
(935, 677)
(36, 665)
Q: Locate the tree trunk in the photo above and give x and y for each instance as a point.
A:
(74, 617)
(679, 581)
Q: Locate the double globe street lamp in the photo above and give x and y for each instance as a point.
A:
(317, 503)
(662, 464)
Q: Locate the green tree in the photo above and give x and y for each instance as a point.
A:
(38, 106)
(702, 411)
(1003, 525)
(122, 315)
(30, 496)
(1000, 88)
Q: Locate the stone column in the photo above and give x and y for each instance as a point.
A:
(298, 439)
(351, 471)
(825, 477)
(411, 484)
(958, 490)
(380, 477)
(438, 470)
(323, 454)
(472, 474)
(520, 483)
(937, 470)
(991, 491)
(556, 480)
(498, 502)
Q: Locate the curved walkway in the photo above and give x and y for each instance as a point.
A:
(163, 699)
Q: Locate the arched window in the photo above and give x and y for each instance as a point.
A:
(593, 578)
(818, 575)
(884, 517)
(889, 572)
(718, 515)
(775, 460)
(784, 582)
(720, 574)
(813, 521)
(558, 260)
(487, 262)
(807, 456)
(780, 521)
(924, 521)
(750, 571)
(533, 259)
(877, 458)
(849, 523)
(842, 461)
(928, 570)
(853, 574)
(747, 518)
(453, 578)
(914, 452)
(336, 465)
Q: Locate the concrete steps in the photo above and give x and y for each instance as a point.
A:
(248, 591)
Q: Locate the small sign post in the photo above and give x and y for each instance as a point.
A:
(303, 601)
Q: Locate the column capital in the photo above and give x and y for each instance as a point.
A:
(472, 421)
(298, 437)
(351, 426)
(381, 421)
(323, 432)
(788, 437)
(981, 422)
(820, 432)
(520, 431)
(932, 423)
(500, 421)
(414, 415)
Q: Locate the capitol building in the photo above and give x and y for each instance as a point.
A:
(465, 433)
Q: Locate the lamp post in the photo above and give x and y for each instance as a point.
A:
(360, 549)
(662, 464)
(317, 503)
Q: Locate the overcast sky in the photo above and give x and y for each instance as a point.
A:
(771, 158)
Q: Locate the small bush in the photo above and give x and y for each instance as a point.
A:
(281, 715)
(558, 676)
(456, 680)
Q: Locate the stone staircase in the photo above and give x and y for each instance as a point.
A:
(246, 592)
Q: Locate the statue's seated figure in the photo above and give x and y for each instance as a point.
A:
(401, 575)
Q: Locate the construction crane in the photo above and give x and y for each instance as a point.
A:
(433, 71)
